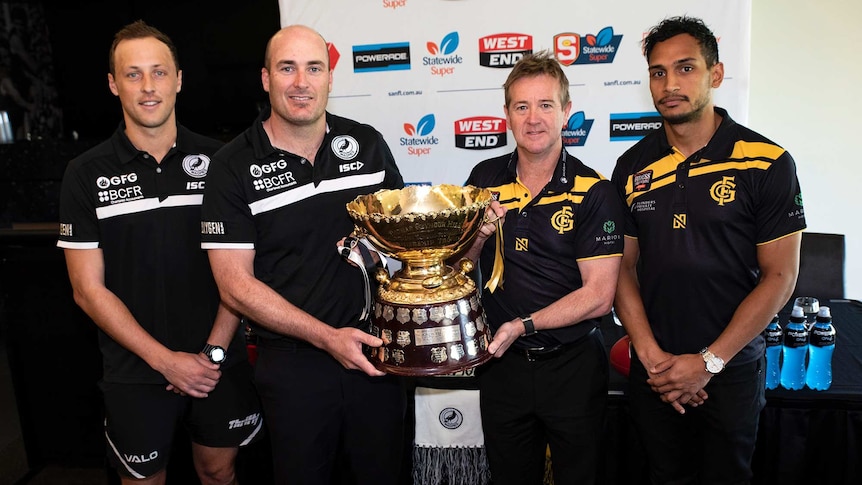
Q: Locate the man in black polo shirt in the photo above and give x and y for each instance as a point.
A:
(711, 254)
(274, 212)
(562, 242)
(130, 228)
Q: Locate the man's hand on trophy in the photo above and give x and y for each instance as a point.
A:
(346, 348)
(495, 215)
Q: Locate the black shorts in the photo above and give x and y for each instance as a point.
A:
(141, 420)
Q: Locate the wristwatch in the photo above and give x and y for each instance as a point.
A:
(529, 328)
(714, 363)
(216, 354)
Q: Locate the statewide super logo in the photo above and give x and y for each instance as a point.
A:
(504, 50)
(480, 133)
(419, 140)
(633, 126)
(381, 57)
(444, 60)
(570, 48)
(577, 130)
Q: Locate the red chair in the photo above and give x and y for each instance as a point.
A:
(621, 355)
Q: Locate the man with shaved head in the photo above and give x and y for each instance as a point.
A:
(274, 210)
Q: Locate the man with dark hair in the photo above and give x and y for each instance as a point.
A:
(274, 212)
(711, 254)
(561, 248)
(130, 228)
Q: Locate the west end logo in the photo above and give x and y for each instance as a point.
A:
(443, 61)
(419, 140)
(576, 130)
(504, 50)
(480, 133)
(601, 48)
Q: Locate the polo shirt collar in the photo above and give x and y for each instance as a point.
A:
(715, 143)
(126, 151)
(563, 179)
(259, 140)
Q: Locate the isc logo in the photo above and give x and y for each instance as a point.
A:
(197, 185)
(347, 167)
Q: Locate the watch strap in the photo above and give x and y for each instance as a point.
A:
(713, 363)
(529, 327)
(208, 349)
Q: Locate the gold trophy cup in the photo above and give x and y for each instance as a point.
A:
(428, 313)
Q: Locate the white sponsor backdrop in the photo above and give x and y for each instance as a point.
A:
(416, 109)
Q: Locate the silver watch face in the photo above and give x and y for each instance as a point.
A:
(713, 366)
(217, 354)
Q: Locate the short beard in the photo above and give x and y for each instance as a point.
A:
(693, 115)
(684, 117)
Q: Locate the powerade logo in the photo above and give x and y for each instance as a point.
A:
(570, 48)
(443, 63)
(633, 126)
(504, 50)
(577, 130)
(420, 141)
(381, 57)
(480, 133)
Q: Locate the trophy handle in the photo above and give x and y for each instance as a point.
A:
(382, 277)
(466, 266)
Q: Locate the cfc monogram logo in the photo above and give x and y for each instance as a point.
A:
(562, 220)
(679, 221)
(723, 191)
(521, 244)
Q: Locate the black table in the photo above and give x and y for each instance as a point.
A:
(808, 436)
(805, 436)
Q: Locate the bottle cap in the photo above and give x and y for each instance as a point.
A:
(797, 315)
(824, 314)
(775, 318)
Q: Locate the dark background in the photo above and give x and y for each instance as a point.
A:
(221, 46)
(56, 52)
(60, 65)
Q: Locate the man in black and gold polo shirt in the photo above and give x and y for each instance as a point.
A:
(561, 250)
(711, 254)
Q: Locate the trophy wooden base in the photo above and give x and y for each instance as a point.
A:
(430, 339)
